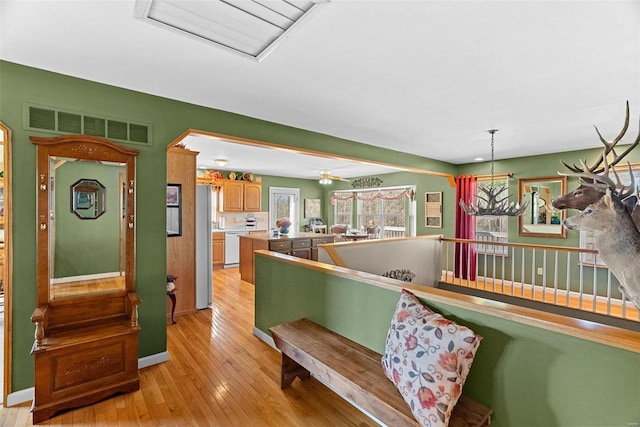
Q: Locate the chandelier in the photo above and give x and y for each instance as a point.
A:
(494, 199)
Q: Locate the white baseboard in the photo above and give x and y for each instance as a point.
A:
(20, 396)
(154, 359)
(265, 337)
(26, 395)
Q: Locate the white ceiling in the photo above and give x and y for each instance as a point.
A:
(275, 161)
(422, 77)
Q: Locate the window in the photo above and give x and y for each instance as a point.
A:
(392, 209)
(389, 211)
(343, 211)
(492, 228)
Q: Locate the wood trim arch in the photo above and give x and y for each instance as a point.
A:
(257, 143)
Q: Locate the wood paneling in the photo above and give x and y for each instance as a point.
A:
(181, 250)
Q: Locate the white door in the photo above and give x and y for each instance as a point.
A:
(284, 203)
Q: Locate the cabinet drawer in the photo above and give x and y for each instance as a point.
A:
(280, 245)
(301, 243)
(302, 253)
(322, 240)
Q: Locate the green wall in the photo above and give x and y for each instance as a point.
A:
(87, 246)
(20, 85)
(529, 376)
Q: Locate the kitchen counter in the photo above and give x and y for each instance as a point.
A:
(232, 230)
(291, 235)
(302, 245)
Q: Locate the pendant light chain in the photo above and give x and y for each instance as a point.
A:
(493, 200)
(492, 132)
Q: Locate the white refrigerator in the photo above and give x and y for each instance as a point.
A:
(204, 256)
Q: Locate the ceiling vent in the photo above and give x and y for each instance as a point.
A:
(251, 28)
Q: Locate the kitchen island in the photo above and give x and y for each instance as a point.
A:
(302, 245)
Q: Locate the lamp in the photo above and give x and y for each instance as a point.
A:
(495, 199)
(221, 162)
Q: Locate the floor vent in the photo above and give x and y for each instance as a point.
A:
(39, 118)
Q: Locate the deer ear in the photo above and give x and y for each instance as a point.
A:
(607, 198)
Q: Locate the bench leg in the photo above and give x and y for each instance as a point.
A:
(290, 370)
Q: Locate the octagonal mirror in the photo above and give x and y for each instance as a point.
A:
(88, 197)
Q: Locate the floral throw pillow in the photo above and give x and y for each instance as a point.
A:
(428, 359)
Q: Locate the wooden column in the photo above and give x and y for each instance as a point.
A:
(181, 250)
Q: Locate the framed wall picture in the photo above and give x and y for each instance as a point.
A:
(312, 208)
(588, 241)
(174, 210)
(433, 209)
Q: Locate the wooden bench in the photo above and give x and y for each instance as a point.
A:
(355, 372)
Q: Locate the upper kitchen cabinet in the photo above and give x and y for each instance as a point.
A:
(252, 196)
(233, 196)
(241, 196)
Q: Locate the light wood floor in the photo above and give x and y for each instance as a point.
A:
(218, 374)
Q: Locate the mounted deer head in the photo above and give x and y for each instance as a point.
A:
(594, 179)
(617, 240)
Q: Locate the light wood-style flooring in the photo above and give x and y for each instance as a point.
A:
(219, 374)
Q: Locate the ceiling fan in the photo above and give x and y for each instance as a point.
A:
(326, 178)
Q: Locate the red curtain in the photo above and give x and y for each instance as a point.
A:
(465, 254)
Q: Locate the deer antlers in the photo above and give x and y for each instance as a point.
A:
(597, 175)
(602, 181)
(608, 148)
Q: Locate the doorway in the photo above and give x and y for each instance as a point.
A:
(284, 203)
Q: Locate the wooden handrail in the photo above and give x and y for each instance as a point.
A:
(519, 245)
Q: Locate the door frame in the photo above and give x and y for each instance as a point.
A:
(295, 192)
(8, 265)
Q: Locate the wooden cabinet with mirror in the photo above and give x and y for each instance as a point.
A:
(86, 320)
